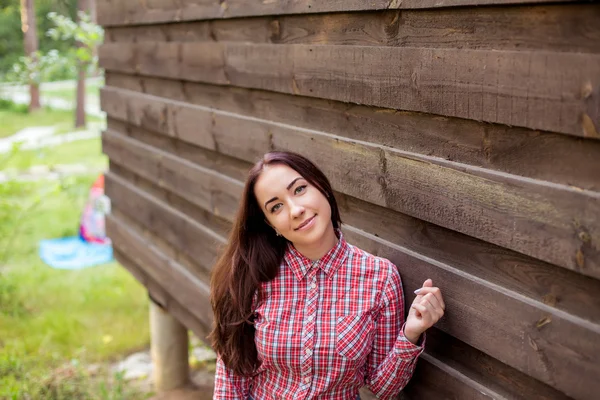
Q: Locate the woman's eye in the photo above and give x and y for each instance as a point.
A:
(299, 189)
(275, 207)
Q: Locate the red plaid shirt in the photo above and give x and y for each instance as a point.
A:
(325, 329)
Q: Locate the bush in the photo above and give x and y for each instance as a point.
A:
(9, 105)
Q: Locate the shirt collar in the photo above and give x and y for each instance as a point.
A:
(329, 263)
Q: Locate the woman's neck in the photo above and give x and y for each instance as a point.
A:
(317, 250)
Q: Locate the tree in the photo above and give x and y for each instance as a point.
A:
(88, 35)
(31, 47)
(84, 7)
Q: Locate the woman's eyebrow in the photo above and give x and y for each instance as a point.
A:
(287, 188)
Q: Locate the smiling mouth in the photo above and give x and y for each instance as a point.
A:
(305, 223)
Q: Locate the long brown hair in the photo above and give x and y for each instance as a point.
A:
(253, 255)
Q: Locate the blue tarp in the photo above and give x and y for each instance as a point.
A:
(74, 253)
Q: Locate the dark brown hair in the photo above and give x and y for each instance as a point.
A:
(253, 255)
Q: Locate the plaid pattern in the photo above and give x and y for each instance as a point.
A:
(327, 328)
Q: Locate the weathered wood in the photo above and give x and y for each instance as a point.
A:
(204, 217)
(169, 348)
(570, 28)
(512, 150)
(159, 294)
(491, 146)
(187, 235)
(179, 283)
(481, 368)
(515, 330)
(226, 165)
(124, 12)
(557, 287)
(202, 187)
(515, 334)
(538, 90)
(555, 224)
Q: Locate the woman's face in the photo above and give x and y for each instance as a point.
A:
(292, 206)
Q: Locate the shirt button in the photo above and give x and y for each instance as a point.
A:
(310, 317)
(307, 379)
(314, 285)
(308, 351)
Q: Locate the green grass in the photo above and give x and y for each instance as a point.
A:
(14, 121)
(51, 321)
(88, 152)
(91, 89)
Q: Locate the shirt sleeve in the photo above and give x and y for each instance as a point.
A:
(393, 358)
(229, 386)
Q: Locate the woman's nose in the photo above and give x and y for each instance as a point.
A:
(296, 210)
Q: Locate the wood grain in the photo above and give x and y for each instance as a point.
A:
(202, 187)
(547, 351)
(557, 287)
(179, 283)
(204, 217)
(125, 12)
(513, 150)
(196, 241)
(157, 292)
(537, 90)
(506, 327)
(555, 224)
(568, 28)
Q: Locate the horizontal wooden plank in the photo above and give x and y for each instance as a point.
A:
(197, 242)
(557, 287)
(202, 187)
(570, 28)
(125, 12)
(537, 90)
(159, 295)
(513, 334)
(461, 359)
(553, 223)
(521, 333)
(204, 217)
(178, 282)
(430, 370)
(540, 155)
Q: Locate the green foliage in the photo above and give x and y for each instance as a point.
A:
(39, 67)
(11, 36)
(9, 105)
(84, 31)
(53, 322)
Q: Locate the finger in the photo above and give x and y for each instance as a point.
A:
(426, 315)
(435, 291)
(428, 283)
(420, 309)
(432, 315)
(434, 302)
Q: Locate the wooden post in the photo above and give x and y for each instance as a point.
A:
(169, 348)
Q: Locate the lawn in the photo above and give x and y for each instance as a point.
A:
(51, 321)
(91, 89)
(88, 152)
(13, 120)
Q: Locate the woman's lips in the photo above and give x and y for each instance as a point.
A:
(306, 224)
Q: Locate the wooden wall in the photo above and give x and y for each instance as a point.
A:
(461, 137)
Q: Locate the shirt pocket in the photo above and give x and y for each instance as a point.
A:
(353, 336)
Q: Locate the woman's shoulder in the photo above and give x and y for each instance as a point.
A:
(371, 262)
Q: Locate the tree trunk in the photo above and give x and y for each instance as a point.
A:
(80, 117)
(31, 46)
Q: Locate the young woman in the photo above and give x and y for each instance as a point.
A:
(299, 312)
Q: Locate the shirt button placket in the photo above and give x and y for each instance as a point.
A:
(308, 336)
